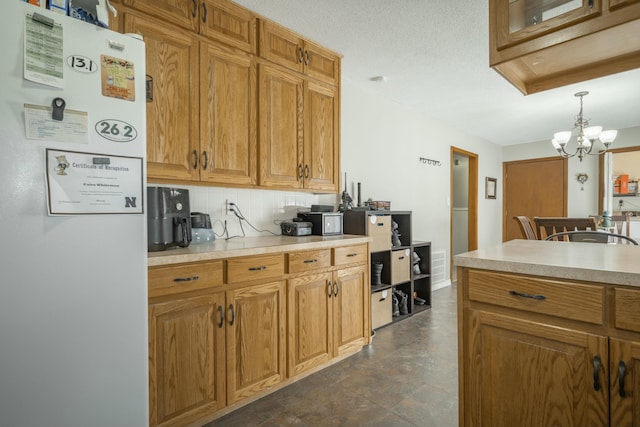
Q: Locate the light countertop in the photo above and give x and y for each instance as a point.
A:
(245, 246)
(616, 264)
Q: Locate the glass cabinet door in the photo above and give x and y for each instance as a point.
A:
(521, 20)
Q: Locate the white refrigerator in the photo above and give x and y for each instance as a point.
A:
(73, 258)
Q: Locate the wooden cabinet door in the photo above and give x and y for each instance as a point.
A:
(255, 332)
(186, 359)
(281, 46)
(624, 368)
(310, 322)
(172, 118)
(179, 12)
(523, 373)
(351, 310)
(321, 137)
(280, 145)
(321, 63)
(228, 104)
(229, 23)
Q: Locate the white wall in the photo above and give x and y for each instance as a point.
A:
(580, 203)
(381, 146)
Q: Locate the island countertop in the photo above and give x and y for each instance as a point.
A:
(245, 246)
(615, 264)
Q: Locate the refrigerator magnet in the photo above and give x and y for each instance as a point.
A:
(118, 78)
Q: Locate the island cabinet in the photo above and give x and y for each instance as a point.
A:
(226, 331)
(540, 351)
(541, 44)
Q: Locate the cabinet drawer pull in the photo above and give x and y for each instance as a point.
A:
(622, 370)
(520, 294)
(399, 258)
(221, 313)
(195, 8)
(329, 288)
(335, 289)
(262, 267)
(206, 160)
(300, 55)
(351, 255)
(306, 57)
(195, 159)
(310, 261)
(233, 315)
(306, 171)
(300, 171)
(596, 373)
(204, 12)
(186, 279)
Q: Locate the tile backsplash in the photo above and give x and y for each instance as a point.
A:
(263, 209)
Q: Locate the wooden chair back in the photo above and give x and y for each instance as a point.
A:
(547, 226)
(527, 227)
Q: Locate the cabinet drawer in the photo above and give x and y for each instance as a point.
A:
(184, 277)
(400, 266)
(627, 315)
(570, 300)
(308, 260)
(380, 231)
(255, 268)
(350, 255)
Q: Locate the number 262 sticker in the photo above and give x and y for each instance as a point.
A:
(116, 130)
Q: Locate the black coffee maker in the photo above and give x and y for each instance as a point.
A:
(168, 218)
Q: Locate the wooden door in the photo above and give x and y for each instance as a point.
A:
(535, 187)
(256, 357)
(529, 374)
(625, 362)
(352, 303)
(172, 115)
(228, 108)
(179, 12)
(310, 315)
(186, 359)
(321, 137)
(280, 140)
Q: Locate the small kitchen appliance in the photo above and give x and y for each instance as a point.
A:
(168, 218)
(296, 228)
(201, 231)
(323, 223)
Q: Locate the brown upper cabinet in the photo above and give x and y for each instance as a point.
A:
(284, 47)
(219, 20)
(544, 44)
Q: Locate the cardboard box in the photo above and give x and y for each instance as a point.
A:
(400, 266)
(381, 306)
(380, 231)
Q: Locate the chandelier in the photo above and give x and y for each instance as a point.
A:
(587, 136)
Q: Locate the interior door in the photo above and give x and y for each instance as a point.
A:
(536, 187)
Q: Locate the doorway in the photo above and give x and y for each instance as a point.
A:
(536, 187)
(464, 204)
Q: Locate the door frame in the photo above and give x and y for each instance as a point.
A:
(472, 235)
(601, 171)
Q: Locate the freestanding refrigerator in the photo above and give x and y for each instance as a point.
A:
(73, 281)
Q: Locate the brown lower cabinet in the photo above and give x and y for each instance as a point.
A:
(218, 331)
(538, 351)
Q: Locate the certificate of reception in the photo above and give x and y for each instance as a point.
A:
(88, 183)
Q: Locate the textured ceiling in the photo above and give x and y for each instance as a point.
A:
(435, 55)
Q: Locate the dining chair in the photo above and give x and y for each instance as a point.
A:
(546, 226)
(527, 227)
(589, 236)
(622, 223)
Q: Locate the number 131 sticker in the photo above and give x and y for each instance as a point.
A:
(116, 130)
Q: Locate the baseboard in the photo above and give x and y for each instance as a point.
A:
(440, 285)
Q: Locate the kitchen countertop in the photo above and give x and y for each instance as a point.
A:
(245, 246)
(615, 264)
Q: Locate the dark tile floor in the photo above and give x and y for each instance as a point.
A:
(408, 376)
